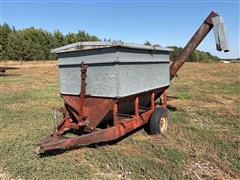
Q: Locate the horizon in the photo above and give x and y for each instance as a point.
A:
(158, 22)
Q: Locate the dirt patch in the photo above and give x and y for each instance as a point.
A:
(221, 99)
(112, 175)
(200, 169)
(140, 137)
(3, 175)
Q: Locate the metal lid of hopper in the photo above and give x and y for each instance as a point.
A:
(79, 46)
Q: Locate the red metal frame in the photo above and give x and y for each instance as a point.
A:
(120, 128)
(82, 94)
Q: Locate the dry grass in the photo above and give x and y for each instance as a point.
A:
(30, 76)
(202, 142)
(4, 175)
(21, 64)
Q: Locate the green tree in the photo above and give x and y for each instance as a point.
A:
(30, 44)
(196, 56)
(14, 48)
(5, 31)
(70, 38)
(58, 39)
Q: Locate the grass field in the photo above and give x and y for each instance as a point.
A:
(203, 139)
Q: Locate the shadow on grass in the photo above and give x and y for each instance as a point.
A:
(171, 108)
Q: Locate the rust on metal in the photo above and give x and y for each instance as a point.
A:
(82, 93)
(115, 112)
(95, 108)
(152, 100)
(136, 106)
(120, 129)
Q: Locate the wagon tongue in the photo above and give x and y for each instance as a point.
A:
(51, 143)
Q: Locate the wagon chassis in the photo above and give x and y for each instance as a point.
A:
(122, 123)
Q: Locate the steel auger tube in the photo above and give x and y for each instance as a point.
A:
(192, 44)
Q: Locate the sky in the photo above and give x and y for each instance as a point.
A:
(161, 22)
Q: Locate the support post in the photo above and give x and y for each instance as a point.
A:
(152, 101)
(136, 106)
(82, 92)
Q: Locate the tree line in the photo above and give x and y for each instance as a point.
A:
(35, 44)
(196, 56)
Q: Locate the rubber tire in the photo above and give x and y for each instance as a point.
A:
(154, 122)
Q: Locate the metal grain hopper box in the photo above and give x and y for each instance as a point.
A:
(115, 69)
(110, 89)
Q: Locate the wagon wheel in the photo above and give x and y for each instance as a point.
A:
(158, 123)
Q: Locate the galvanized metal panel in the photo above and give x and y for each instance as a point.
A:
(134, 55)
(137, 78)
(69, 80)
(220, 34)
(90, 57)
(101, 80)
(114, 72)
(115, 80)
(110, 55)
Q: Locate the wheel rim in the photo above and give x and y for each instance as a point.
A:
(163, 123)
